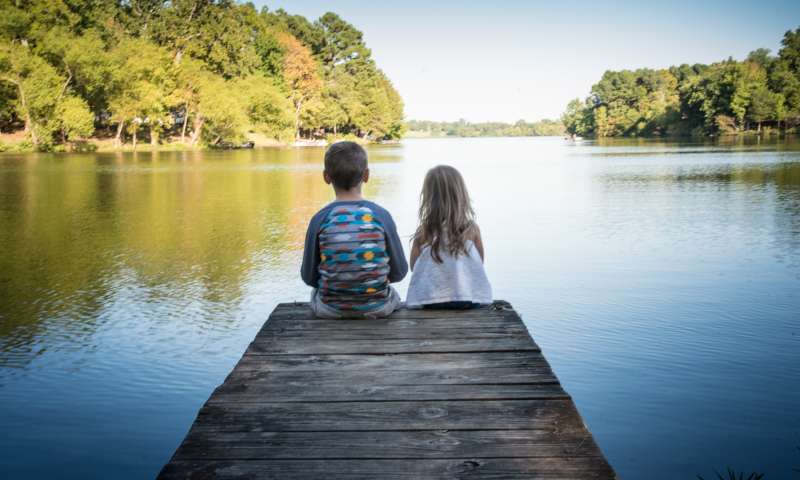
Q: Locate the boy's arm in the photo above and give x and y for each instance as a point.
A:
(309, 271)
(398, 267)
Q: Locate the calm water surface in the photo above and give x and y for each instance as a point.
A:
(662, 281)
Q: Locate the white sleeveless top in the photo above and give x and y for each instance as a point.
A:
(460, 279)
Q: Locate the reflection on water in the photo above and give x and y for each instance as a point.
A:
(660, 278)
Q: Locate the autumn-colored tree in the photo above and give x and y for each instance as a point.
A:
(301, 75)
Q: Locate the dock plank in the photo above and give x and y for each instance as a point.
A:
(395, 361)
(408, 415)
(384, 444)
(558, 468)
(326, 378)
(275, 345)
(421, 394)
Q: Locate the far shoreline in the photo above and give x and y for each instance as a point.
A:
(105, 145)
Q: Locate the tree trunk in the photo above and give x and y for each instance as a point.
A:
(29, 129)
(297, 108)
(185, 122)
(134, 138)
(118, 138)
(759, 127)
(198, 128)
(153, 137)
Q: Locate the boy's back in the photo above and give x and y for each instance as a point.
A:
(352, 249)
(353, 252)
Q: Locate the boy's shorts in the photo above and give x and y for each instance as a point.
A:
(324, 311)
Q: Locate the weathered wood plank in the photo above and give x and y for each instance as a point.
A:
(302, 311)
(328, 378)
(560, 468)
(556, 415)
(347, 333)
(399, 361)
(385, 444)
(270, 345)
(382, 393)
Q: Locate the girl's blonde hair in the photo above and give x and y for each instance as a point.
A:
(446, 218)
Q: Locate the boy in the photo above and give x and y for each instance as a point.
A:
(352, 250)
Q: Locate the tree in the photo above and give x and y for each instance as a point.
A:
(74, 119)
(340, 42)
(310, 34)
(267, 109)
(84, 61)
(219, 34)
(301, 76)
(39, 90)
(221, 111)
(577, 119)
(765, 105)
(785, 76)
(141, 88)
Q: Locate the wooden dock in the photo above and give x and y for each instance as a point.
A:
(423, 394)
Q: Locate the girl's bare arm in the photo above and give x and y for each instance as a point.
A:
(415, 249)
(478, 241)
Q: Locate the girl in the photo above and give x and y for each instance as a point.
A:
(447, 251)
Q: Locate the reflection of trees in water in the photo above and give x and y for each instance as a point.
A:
(633, 147)
(77, 230)
(780, 181)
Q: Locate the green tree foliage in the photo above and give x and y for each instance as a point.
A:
(578, 119)
(267, 109)
(220, 110)
(75, 120)
(725, 97)
(39, 89)
(785, 76)
(204, 71)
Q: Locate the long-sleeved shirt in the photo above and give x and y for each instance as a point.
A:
(352, 253)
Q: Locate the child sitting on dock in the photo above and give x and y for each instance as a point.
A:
(447, 250)
(352, 250)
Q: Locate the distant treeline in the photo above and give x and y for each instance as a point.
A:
(463, 128)
(728, 97)
(205, 70)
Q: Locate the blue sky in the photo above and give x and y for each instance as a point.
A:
(507, 60)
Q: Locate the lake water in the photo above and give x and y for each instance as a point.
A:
(662, 281)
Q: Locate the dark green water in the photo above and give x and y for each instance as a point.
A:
(661, 279)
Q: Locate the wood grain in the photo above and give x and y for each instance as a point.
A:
(420, 395)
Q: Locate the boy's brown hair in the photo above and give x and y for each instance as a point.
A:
(345, 164)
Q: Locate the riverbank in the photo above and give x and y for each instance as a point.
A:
(18, 142)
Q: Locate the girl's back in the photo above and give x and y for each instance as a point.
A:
(456, 279)
(447, 253)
